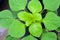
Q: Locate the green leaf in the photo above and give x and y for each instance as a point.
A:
(58, 29)
(49, 36)
(58, 36)
(37, 17)
(6, 14)
(59, 2)
(17, 5)
(17, 29)
(14, 13)
(24, 16)
(5, 23)
(28, 22)
(51, 4)
(6, 18)
(11, 38)
(35, 29)
(34, 6)
(51, 21)
(29, 37)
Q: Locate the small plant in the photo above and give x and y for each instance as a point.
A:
(18, 18)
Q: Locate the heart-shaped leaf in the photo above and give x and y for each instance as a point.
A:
(51, 21)
(49, 36)
(27, 17)
(6, 14)
(34, 6)
(35, 29)
(17, 29)
(17, 5)
(51, 4)
(29, 37)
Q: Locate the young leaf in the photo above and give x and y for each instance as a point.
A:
(49, 36)
(28, 22)
(35, 29)
(51, 21)
(34, 6)
(58, 29)
(17, 5)
(37, 17)
(5, 23)
(29, 37)
(51, 4)
(24, 16)
(6, 14)
(11, 38)
(17, 29)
